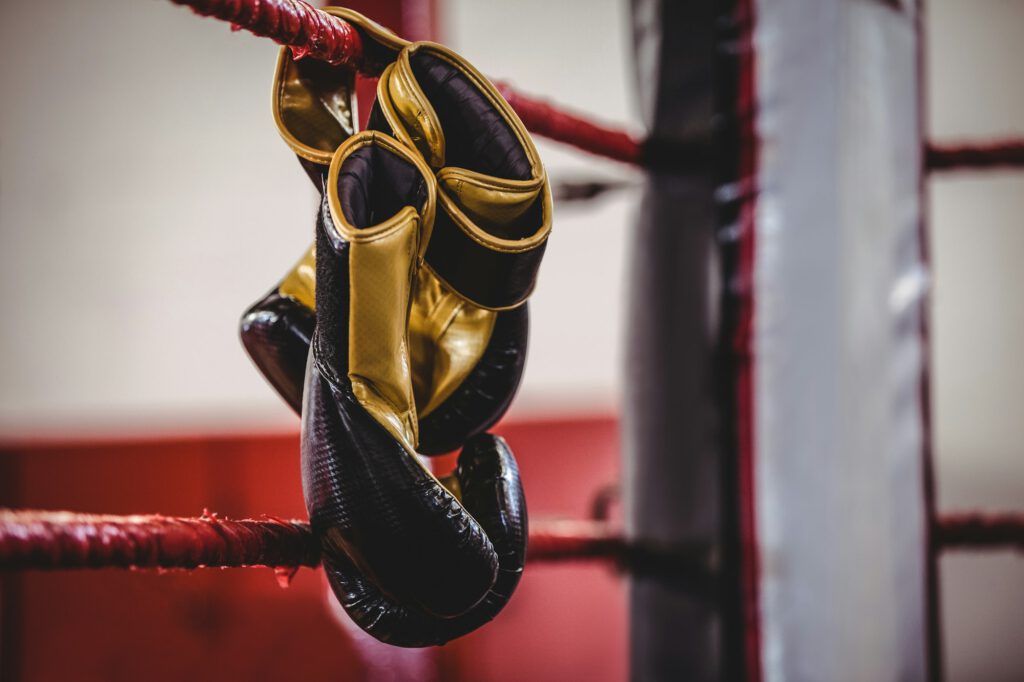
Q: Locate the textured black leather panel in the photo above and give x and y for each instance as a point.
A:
(276, 332)
(332, 296)
(492, 491)
(369, 501)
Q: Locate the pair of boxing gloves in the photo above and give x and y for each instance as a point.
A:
(403, 330)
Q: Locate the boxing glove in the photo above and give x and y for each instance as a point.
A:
(370, 500)
(499, 198)
(467, 351)
(489, 482)
(486, 476)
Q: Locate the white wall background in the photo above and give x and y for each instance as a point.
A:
(146, 200)
(975, 49)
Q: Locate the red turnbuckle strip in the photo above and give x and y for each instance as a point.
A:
(310, 32)
(979, 530)
(64, 540)
(995, 154)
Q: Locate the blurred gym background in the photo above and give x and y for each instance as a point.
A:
(146, 200)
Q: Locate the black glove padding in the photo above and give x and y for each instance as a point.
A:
(492, 492)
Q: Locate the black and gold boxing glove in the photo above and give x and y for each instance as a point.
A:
(488, 478)
(493, 219)
(468, 333)
(369, 497)
(313, 114)
(408, 562)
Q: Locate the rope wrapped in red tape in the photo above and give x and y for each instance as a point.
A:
(985, 155)
(50, 540)
(548, 121)
(978, 530)
(304, 28)
(313, 33)
(63, 540)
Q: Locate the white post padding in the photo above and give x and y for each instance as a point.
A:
(839, 289)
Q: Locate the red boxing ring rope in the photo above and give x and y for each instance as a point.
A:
(68, 540)
(548, 121)
(977, 530)
(55, 540)
(996, 154)
(63, 540)
(299, 25)
(310, 32)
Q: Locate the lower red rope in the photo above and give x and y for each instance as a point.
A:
(64, 540)
(56, 540)
(996, 154)
(976, 530)
(41, 539)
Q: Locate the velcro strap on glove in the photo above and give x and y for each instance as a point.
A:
(495, 200)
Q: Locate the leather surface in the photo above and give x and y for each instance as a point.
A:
(380, 207)
(300, 282)
(395, 348)
(314, 102)
(464, 381)
(490, 279)
(370, 500)
(480, 400)
(494, 199)
(313, 105)
(276, 332)
(493, 493)
(467, 360)
(446, 338)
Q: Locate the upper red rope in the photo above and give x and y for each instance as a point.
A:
(311, 32)
(299, 25)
